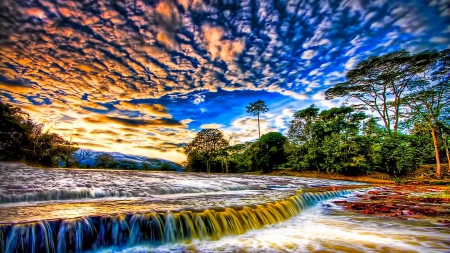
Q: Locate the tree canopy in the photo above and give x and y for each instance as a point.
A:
(23, 139)
(207, 144)
(398, 86)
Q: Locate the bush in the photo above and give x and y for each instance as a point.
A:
(398, 156)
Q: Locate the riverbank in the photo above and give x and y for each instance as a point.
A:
(419, 196)
(425, 175)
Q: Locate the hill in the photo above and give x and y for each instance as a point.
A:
(126, 159)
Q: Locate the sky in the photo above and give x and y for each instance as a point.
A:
(143, 77)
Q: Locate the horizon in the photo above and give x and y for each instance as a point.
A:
(143, 79)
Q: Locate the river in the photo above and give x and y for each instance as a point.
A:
(74, 210)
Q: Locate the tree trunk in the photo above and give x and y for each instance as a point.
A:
(226, 166)
(259, 130)
(448, 155)
(444, 141)
(436, 149)
(207, 167)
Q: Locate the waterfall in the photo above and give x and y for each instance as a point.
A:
(155, 228)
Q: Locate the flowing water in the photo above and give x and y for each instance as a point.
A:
(60, 210)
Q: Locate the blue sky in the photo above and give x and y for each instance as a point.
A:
(142, 77)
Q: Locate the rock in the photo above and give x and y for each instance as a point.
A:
(384, 210)
(340, 201)
(357, 206)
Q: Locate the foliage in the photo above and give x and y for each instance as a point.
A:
(401, 88)
(105, 160)
(268, 152)
(14, 130)
(207, 145)
(165, 167)
(329, 141)
(399, 157)
(23, 139)
(380, 84)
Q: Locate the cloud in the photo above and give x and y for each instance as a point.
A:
(155, 110)
(130, 122)
(351, 63)
(309, 54)
(211, 125)
(149, 72)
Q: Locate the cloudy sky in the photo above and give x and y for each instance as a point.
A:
(142, 77)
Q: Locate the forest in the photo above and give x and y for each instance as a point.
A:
(395, 117)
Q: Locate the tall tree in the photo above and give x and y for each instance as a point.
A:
(256, 109)
(208, 144)
(380, 84)
(429, 96)
(442, 75)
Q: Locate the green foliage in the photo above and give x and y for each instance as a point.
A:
(399, 157)
(238, 158)
(165, 167)
(145, 166)
(268, 152)
(329, 141)
(207, 146)
(399, 86)
(257, 108)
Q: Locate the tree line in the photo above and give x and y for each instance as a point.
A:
(22, 139)
(394, 118)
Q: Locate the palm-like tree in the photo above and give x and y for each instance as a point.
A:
(255, 109)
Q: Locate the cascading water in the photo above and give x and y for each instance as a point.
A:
(56, 210)
(87, 233)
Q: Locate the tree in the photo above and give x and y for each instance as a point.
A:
(83, 155)
(256, 109)
(207, 144)
(380, 84)
(105, 160)
(23, 139)
(429, 96)
(238, 157)
(165, 167)
(299, 129)
(268, 152)
(329, 141)
(68, 149)
(13, 132)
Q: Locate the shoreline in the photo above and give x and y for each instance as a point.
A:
(375, 178)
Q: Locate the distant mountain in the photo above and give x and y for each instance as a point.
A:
(152, 163)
